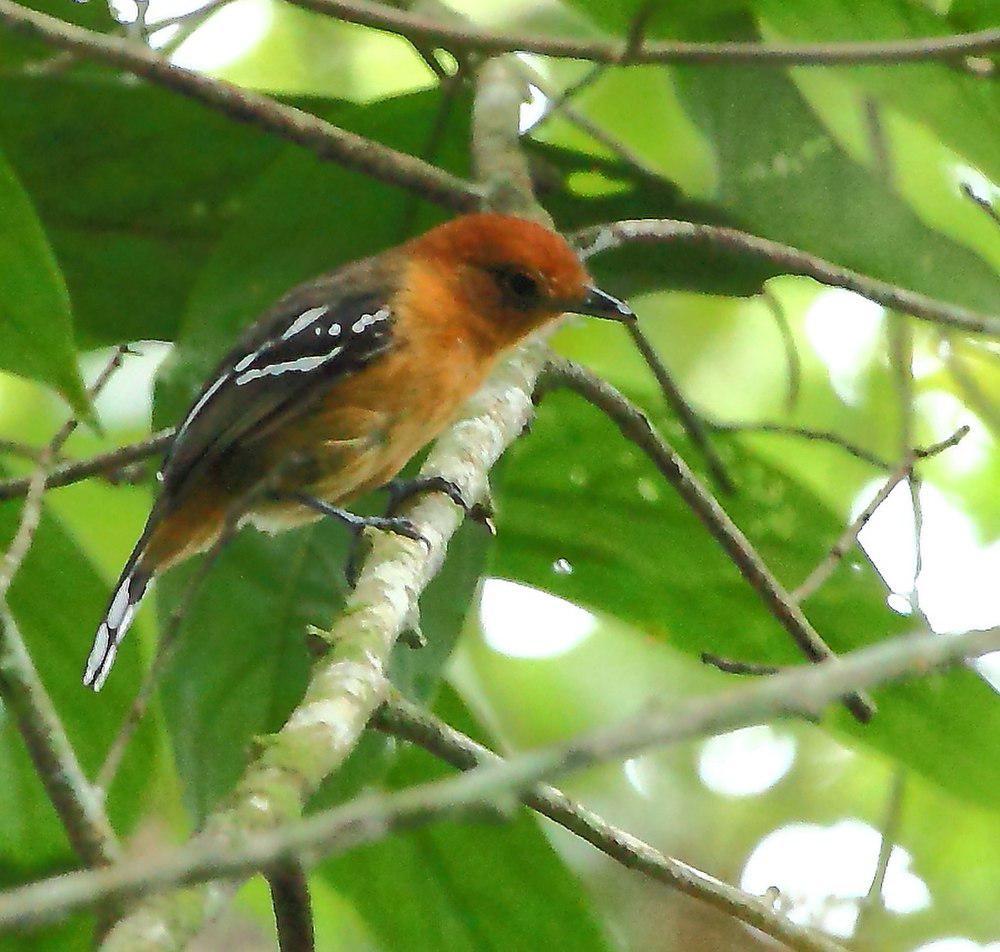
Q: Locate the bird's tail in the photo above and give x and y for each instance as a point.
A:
(121, 610)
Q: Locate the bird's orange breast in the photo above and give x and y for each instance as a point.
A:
(370, 424)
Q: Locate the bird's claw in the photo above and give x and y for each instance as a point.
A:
(400, 490)
(397, 525)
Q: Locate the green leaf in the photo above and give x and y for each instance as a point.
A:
(16, 48)
(639, 555)
(238, 673)
(580, 189)
(56, 600)
(36, 329)
(963, 109)
(971, 15)
(783, 176)
(465, 885)
(131, 241)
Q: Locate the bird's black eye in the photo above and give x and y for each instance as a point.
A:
(518, 286)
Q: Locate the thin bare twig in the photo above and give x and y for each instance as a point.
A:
(591, 241)
(806, 433)
(198, 14)
(584, 123)
(733, 666)
(984, 203)
(805, 690)
(293, 916)
(558, 101)
(471, 38)
(901, 360)
(874, 900)
(24, 450)
(635, 426)
(636, 36)
(104, 464)
(405, 720)
(690, 419)
(818, 576)
(792, 359)
(36, 483)
(187, 28)
(323, 138)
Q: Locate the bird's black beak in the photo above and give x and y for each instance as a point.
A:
(598, 303)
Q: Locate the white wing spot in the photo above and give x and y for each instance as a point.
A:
(302, 365)
(366, 320)
(334, 330)
(303, 321)
(126, 620)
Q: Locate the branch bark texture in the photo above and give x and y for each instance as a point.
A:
(804, 691)
(459, 39)
(592, 241)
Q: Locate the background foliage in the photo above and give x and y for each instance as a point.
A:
(127, 214)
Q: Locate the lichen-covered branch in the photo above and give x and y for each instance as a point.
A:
(349, 683)
(804, 691)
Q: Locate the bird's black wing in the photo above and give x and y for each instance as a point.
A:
(316, 335)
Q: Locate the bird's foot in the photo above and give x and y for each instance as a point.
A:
(357, 524)
(401, 490)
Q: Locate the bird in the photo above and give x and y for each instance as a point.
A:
(344, 380)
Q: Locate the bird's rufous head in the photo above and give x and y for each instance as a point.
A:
(516, 274)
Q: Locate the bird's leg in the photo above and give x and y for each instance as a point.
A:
(400, 490)
(352, 520)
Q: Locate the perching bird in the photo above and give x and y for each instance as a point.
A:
(341, 383)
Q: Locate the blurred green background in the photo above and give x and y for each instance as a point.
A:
(129, 215)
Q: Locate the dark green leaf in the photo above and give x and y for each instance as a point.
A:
(16, 48)
(962, 108)
(970, 15)
(638, 554)
(36, 329)
(782, 176)
(580, 189)
(130, 240)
